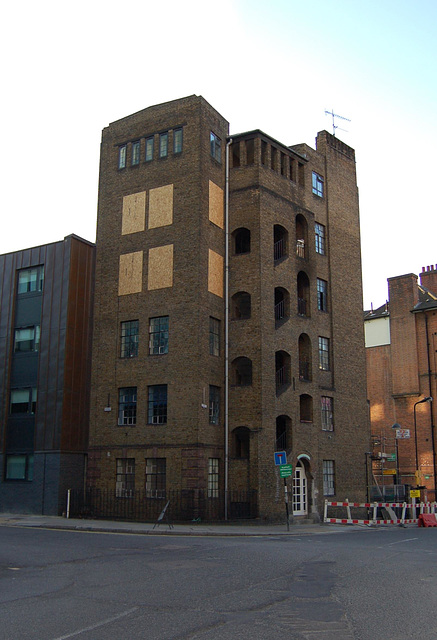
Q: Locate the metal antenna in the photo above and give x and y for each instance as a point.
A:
(335, 115)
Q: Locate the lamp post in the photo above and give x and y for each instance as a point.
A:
(427, 399)
(397, 426)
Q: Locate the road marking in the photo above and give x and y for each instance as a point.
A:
(97, 625)
(401, 541)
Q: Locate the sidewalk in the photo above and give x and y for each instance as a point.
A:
(189, 529)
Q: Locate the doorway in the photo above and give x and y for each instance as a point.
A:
(300, 492)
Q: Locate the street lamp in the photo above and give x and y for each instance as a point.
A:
(397, 426)
(427, 399)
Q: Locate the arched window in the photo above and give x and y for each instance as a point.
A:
(306, 408)
(241, 241)
(283, 433)
(241, 305)
(280, 242)
(301, 237)
(305, 358)
(282, 305)
(282, 370)
(241, 442)
(242, 372)
(303, 294)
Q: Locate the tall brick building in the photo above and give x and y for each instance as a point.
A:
(45, 346)
(228, 315)
(401, 341)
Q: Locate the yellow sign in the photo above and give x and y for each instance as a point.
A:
(414, 493)
(389, 472)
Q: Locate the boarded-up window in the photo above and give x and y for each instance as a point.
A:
(216, 205)
(160, 267)
(215, 273)
(134, 213)
(130, 278)
(160, 206)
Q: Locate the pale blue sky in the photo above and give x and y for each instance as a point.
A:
(69, 70)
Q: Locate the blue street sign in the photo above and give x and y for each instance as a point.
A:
(280, 458)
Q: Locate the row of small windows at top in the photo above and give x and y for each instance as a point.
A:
(163, 146)
(149, 148)
(241, 240)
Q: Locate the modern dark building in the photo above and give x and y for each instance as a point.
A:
(228, 316)
(45, 354)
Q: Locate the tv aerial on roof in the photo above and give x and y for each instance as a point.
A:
(335, 115)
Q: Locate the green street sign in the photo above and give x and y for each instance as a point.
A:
(286, 470)
(391, 457)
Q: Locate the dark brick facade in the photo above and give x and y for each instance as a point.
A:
(161, 248)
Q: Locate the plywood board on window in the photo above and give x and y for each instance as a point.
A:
(216, 204)
(130, 277)
(160, 272)
(134, 213)
(160, 206)
(215, 273)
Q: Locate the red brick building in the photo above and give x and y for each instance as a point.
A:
(401, 341)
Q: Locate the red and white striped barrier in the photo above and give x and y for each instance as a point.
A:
(423, 507)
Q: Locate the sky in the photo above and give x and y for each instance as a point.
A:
(70, 69)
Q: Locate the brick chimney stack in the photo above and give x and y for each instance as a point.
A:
(428, 278)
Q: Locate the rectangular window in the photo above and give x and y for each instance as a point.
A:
(27, 339)
(177, 141)
(158, 335)
(322, 295)
(163, 145)
(31, 280)
(213, 478)
(23, 400)
(250, 151)
(129, 339)
(214, 336)
(292, 170)
(324, 354)
(136, 152)
(320, 238)
(122, 156)
(19, 467)
(157, 411)
(155, 477)
(317, 185)
(327, 409)
(149, 149)
(125, 479)
(127, 406)
(328, 477)
(214, 404)
(216, 146)
(263, 152)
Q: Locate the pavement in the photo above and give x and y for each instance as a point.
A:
(248, 528)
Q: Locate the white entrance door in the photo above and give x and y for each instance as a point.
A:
(299, 490)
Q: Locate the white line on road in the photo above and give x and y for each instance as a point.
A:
(401, 541)
(97, 625)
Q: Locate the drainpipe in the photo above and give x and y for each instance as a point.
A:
(431, 408)
(228, 143)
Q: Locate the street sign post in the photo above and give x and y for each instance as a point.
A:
(280, 458)
(286, 470)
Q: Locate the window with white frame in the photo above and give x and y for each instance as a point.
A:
(324, 363)
(158, 335)
(163, 145)
(149, 148)
(23, 400)
(328, 477)
(213, 478)
(27, 339)
(31, 280)
(135, 152)
(317, 185)
(320, 238)
(125, 478)
(155, 477)
(157, 404)
(327, 411)
(127, 406)
(122, 150)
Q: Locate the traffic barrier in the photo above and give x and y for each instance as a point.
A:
(427, 520)
(425, 508)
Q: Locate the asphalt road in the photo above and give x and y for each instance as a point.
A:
(363, 584)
